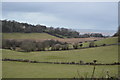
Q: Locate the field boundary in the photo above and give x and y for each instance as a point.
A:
(88, 63)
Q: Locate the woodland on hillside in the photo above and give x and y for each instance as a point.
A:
(11, 26)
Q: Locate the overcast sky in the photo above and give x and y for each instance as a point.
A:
(74, 15)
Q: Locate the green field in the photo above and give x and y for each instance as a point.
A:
(35, 70)
(108, 54)
(111, 40)
(27, 36)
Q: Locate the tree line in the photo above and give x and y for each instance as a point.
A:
(46, 45)
(31, 45)
(11, 26)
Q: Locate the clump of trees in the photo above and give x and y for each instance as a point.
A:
(10, 44)
(60, 47)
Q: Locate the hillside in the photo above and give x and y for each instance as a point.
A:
(28, 36)
(44, 36)
(87, 55)
(110, 40)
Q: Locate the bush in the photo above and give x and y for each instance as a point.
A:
(28, 45)
(81, 62)
(10, 44)
(81, 45)
(91, 44)
(75, 46)
(96, 45)
(56, 47)
(104, 45)
(65, 47)
(6, 44)
(40, 46)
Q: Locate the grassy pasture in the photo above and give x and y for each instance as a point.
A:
(33, 70)
(108, 54)
(27, 36)
(111, 40)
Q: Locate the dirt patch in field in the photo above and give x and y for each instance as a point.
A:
(76, 40)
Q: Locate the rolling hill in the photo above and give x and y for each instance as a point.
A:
(28, 36)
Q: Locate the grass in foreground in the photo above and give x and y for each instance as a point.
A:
(108, 54)
(33, 70)
(27, 36)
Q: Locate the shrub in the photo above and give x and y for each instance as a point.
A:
(10, 44)
(28, 45)
(104, 45)
(65, 47)
(96, 45)
(40, 46)
(6, 44)
(72, 62)
(81, 62)
(91, 44)
(81, 45)
(56, 47)
(75, 46)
